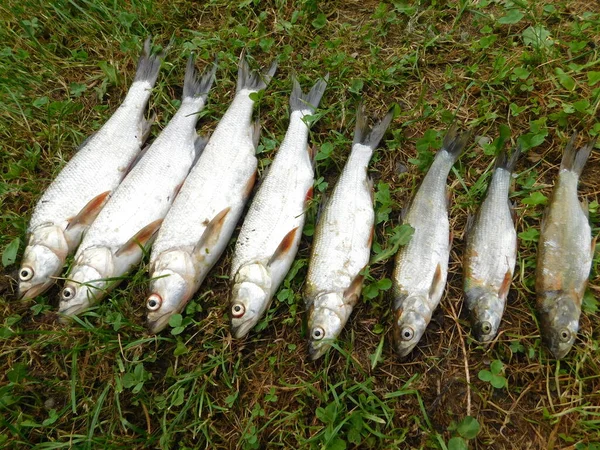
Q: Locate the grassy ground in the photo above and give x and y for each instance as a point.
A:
(502, 68)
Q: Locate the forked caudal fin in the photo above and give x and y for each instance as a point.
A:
(149, 64)
(573, 159)
(454, 143)
(310, 101)
(193, 86)
(503, 161)
(253, 80)
(367, 136)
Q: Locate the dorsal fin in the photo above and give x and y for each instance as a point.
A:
(211, 234)
(284, 247)
(142, 238)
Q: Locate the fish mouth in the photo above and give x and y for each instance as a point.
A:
(33, 291)
(66, 314)
(158, 324)
(316, 351)
(240, 330)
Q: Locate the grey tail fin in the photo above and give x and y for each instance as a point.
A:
(574, 159)
(503, 161)
(149, 64)
(253, 80)
(370, 136)
(310, 101)
(199, 145)
(454, 143)
(193, 86)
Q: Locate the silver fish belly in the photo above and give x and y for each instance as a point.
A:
(491, 253)
(81, 189)
(198, 227)
(342, 243)
(128, 223)
(422, 265)
(272, 228)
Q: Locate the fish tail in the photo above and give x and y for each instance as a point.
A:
(503, 161)
(310, 101)
(454, 143)
(254, 80)
(149, 64)
(193, 86)
(574, 160)
(370, 136)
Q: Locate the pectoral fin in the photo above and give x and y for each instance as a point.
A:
(352, 294)
(436, 282)
(593, 248)
(284, 247)
(250, 185)
(211, 235)
(142, 238)
(90, 211)
(505, 286)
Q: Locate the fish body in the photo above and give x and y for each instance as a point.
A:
(270, 234)
(114, 242)
(421, 266)
(342, 243)
(564, 256)
(491, 253)
(81, 189)
(203, 218)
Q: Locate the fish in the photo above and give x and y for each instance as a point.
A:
(564, 258)
(270, 235)
(127, 225)
(81, 189)
(491, 252)
(199, 225)
(421, 266)
(342, 242)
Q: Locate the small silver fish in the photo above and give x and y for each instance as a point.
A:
(422, 265)
(82, 188)
(491, 252)
(564, 255)
(198, 227)
(342, 242)
(272, 228)
(128, 223)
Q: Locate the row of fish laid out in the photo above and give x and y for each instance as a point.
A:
(184, 195)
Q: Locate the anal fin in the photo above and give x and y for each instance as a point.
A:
(142, 238)
(211, 234)
(284, 247)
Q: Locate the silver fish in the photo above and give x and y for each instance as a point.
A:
(272, 228)
(81, 189)
(491, 252)
(342, 242)
(201, 222)
(422, 265)
(115, 241)
(564, 255)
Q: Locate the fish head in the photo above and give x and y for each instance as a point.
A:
(561, 324)
(87, 281)
(486, 311)
(250, 297)
(43, 260)
(324, 322)
(172, 286)
(408, 329)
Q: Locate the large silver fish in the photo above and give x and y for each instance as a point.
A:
(272, 228)
(564, 255)
(201, 222)
(491, 252)
(127, 224)
(422, 265)
(76, 196)
(342, 242)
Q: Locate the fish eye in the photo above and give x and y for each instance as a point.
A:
(486, 327)
(68, 293)
(564, 335)
(238, 310)
(26, 273)
(154, 302)
(318, 333)
(407, 333)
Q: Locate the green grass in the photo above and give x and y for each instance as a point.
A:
(512, 71)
